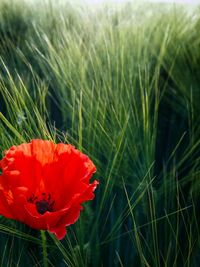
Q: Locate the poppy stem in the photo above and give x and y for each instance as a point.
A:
(44, 248)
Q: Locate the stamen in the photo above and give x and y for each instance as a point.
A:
(43, 204)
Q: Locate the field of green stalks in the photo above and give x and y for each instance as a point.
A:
(122, 84)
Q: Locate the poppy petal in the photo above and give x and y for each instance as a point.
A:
(4, 207)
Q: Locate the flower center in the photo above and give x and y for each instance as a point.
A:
(43, 204)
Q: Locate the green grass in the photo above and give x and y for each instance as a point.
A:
(122, 85)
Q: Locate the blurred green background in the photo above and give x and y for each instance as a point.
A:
(121, 83)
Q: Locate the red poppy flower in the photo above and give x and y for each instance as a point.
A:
(44, 184)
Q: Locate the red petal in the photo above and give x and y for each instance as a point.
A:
(73, 213)
(43, 150)
(4, 207)
(59, 232)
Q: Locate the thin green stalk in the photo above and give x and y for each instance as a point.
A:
(44, 248)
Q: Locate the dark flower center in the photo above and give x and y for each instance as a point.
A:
(43, 204)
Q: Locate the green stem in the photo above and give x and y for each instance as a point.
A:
(44, 248)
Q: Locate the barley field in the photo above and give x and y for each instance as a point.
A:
(122, 84)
